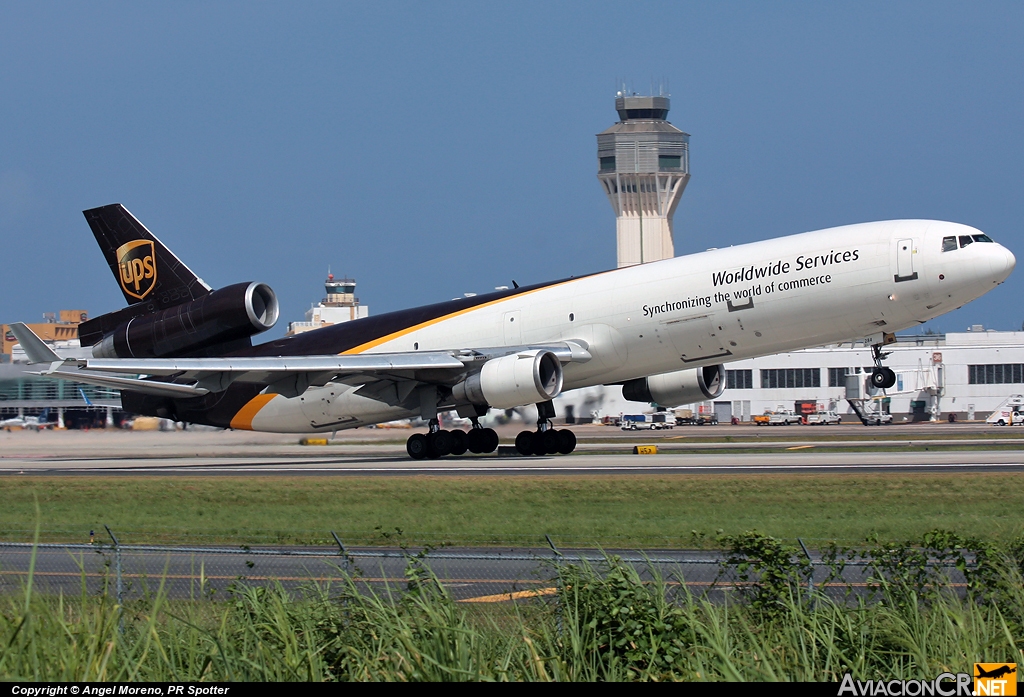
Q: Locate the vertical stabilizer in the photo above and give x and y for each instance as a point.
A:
(145, 270)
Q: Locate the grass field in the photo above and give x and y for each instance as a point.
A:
(610, 511)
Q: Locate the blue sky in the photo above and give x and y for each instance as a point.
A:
(432, 149)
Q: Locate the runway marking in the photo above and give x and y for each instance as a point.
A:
(516, 595)
(800, 447)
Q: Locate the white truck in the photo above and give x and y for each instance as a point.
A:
(784, 418)
(877, 418)
(1009, 413)
(824, 418)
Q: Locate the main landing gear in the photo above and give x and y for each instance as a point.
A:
(439, 443)
(546, 440)
(881, 377)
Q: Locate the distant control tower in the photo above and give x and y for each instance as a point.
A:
(340, 305)
(644, 166)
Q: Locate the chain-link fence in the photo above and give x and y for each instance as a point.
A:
(470, 575)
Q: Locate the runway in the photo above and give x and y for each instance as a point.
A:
(220, 453)
(470, 575)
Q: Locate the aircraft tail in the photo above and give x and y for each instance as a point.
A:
(150, 276)
(144, 268)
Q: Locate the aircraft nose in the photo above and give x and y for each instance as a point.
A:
(1011, 261)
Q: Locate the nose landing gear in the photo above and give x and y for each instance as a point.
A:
(881, 377)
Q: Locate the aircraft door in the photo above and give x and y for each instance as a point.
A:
(905, 261)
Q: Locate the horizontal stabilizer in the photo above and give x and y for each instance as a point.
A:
(157, 389)
(35, 349)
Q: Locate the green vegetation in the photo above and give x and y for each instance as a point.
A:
(603, 624)
(610, 511)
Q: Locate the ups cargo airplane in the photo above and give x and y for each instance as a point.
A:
(662, 331)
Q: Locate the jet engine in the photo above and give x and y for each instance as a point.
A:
(234, 312)
(679, 387)
(511, 381)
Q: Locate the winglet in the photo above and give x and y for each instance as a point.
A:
(35, 349)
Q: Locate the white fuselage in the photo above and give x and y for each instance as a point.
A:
(718, 306)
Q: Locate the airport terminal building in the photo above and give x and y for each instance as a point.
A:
(967, 374)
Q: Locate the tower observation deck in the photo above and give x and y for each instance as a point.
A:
(643, 166)
(340, 305)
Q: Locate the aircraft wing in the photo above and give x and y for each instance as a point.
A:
(290, 376)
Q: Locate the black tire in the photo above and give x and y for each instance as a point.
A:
(439, 444)
(566, 441)
(476, 441)
(878, 378)
(883, 378)
(460, 442)
(416, 446)
(878, 422)
(491, 441)
(549, 439)
(1001, 423)
(540, 448)
(524, 443)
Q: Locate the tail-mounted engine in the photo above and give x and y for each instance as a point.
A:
(231, 313)
(679, 387)
(511, 381)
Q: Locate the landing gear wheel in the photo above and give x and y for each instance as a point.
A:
(566, 441)
(491, 440)
(539, 447)
(883, 378)
(549, 439)
(416, 446)
(439, 444)
(460, 442)
(476, 440)
(524, 442)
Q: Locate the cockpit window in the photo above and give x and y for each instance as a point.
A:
(948, 244)
(965, 240)
(982, 238)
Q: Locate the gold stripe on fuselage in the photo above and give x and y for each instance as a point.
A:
(430, 322)
(247, 413)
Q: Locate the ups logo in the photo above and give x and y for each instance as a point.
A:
(137, 263)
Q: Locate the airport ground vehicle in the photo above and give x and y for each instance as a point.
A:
(698, 420)
(662, 330)
(654, 422)
(1009, 413)
(784, 418)
(880, 418)
(824, 418)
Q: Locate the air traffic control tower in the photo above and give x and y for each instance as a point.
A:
(644, 166)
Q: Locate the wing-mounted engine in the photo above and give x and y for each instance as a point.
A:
(679, 387)
(231, 313)
(511, 381)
